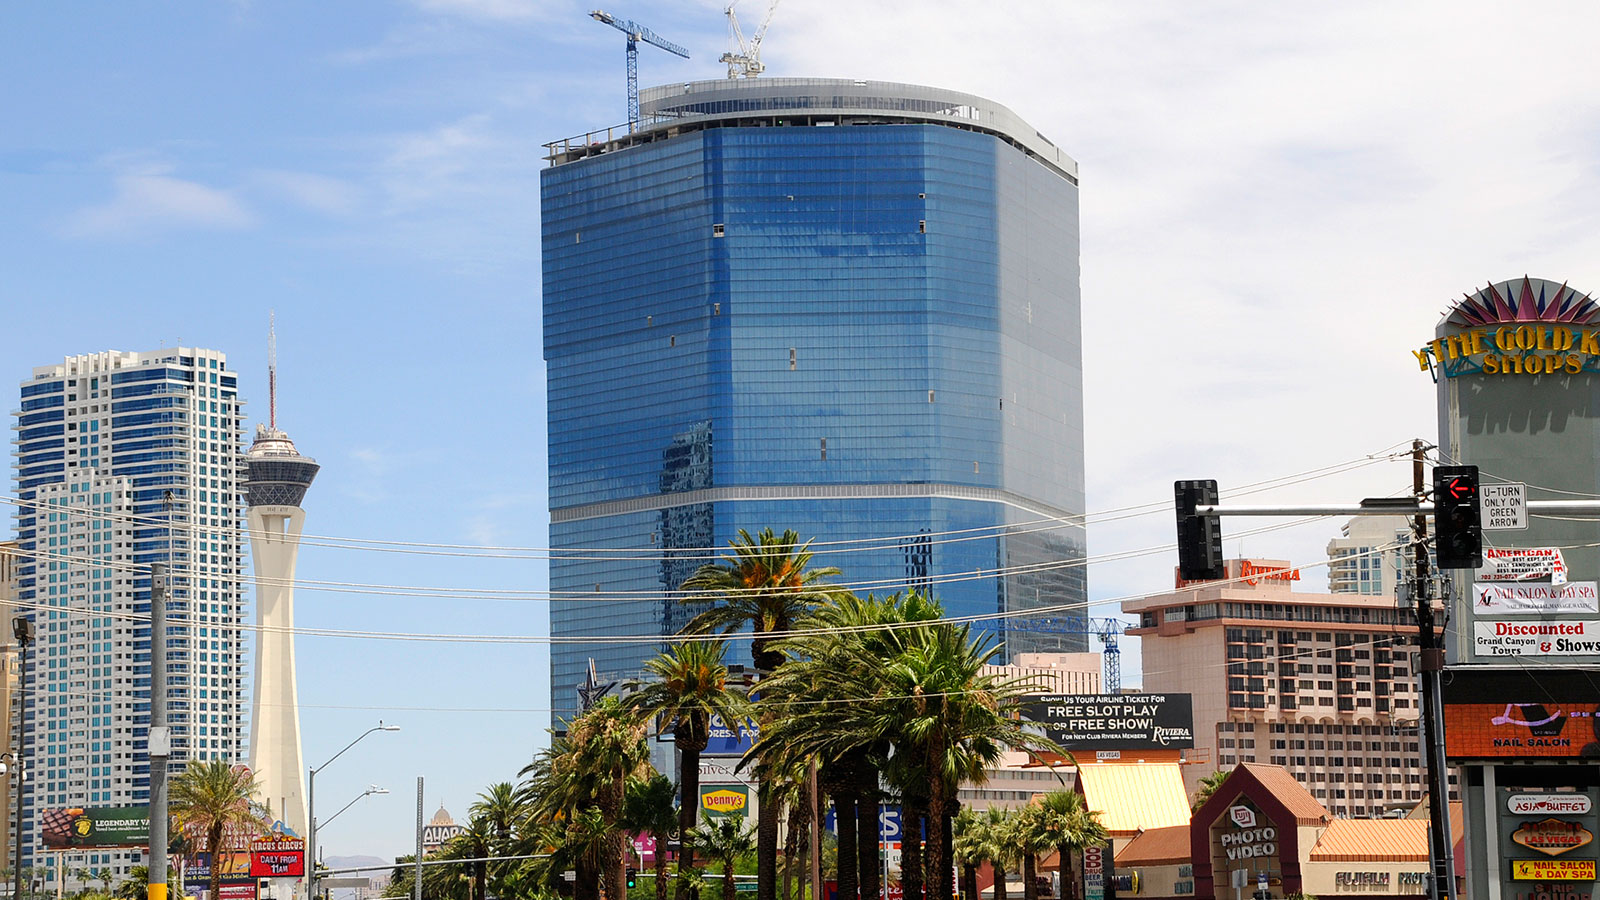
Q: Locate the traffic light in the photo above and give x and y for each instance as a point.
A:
(633, 876)
(1199, 537)
(1457, 517)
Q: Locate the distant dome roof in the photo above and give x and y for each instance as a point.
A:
(441, 818)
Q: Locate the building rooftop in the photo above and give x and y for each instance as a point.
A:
(1165, 846)
(668, 110)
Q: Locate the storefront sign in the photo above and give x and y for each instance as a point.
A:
(1548, 804)
(1552, 837)
(1568, 637)
(1362, 880)
(719, 800)
(1119, 721)
(1520, 713)
(1529, 349)
(1250, 843)
(1523, 564)
(1242, 816)
(278, 857)
(1552, 869)
(1517, 599)
(731, 738)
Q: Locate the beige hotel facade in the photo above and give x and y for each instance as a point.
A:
(1321, 684)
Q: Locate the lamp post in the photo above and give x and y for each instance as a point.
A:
(22, 630)
(311, 808)
(371, 789)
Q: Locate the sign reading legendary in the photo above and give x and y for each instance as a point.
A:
(1122, 721)
(95, 826)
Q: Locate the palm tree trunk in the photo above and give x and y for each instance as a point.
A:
(688, 805)
(1001, 892)
(660, 864)
(948, 841)
(767, 841)
(480, 880)
(911, 847)
(969, 882)
(1064, 869)
(214, 843)
(844, 818)
(1030, 886)
(867, 812)
(616, 875)
(939, 875)
(728, 886)
(587, 884)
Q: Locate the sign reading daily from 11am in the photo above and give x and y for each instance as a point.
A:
(1121, 721)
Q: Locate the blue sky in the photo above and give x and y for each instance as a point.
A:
(1286, 197)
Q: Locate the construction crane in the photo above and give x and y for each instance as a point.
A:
(636, 33)
(1107, 630)
(744, 59)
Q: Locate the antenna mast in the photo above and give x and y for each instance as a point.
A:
(272, 369)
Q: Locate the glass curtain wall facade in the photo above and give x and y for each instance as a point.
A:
(123, 460)
(865, 330)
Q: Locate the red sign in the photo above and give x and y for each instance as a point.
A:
(277, 857)
(241, 891)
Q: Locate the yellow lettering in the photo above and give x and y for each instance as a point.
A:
(1574, 366)
(1526, 337)
(1491, 364)
(1531, 366)
(1422, 358)
(1478, 335)
(1591, 343)
(1562, 338)
(1452, 345)
(1505, 339)
(1551, 364)
(1539, 337)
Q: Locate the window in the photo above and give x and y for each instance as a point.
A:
(717, 230)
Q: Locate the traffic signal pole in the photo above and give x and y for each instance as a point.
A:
(1455, 507)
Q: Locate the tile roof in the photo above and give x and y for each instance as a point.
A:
(1373, 840)
(1135, 796)
(1290, 792)
(1157, 847)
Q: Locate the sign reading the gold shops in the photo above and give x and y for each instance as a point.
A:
(1532, 348)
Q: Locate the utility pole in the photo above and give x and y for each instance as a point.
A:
(22, 629)
(158, 742)
(416, 872)
(1430, 645)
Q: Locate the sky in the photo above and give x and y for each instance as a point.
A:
(1278, 201)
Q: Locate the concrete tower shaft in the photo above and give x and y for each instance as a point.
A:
(276, 480)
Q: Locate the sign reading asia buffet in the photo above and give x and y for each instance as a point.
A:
(1116, 721)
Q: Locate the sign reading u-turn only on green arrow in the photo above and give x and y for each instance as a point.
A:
(1505, 506)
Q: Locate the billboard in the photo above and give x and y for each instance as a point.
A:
(235, 869)
(278, 857)
(722, 800)
(731, 738)
(1115, 721)
(102, 826)
(1520, 714)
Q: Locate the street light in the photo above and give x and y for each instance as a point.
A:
(311, 807)
(22, 629)
(371, 789)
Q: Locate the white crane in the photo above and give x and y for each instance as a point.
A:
(744, 59)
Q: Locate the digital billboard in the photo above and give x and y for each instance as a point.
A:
(1520, 714)
(1115, 721)
(278, 857)
(95, 826)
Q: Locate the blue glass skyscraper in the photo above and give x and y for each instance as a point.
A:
(846, 308)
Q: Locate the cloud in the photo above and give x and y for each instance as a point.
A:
(318, 193)
(149, 201)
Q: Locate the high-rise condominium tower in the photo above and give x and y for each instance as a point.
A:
(123, 460)
(846, 308)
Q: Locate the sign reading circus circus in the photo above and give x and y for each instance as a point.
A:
(1533, 328)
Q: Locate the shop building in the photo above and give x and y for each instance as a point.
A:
(1264, 835)
(1321, 684)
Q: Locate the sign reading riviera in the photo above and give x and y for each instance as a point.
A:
(1121, 721)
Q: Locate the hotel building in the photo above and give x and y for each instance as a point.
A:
(1320, 684)
(123, 460)
(848, 308)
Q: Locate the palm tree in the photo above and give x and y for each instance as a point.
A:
(1066, 823)
(971, 848)
(502, 810)
(996, 831)
(767, 583)
(1025, 837)
(1208, 786)
(213, 796)
(609, 744)
(690, 686)
(723, 840)
(647, 809)
(137, 885)
(475, 843)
